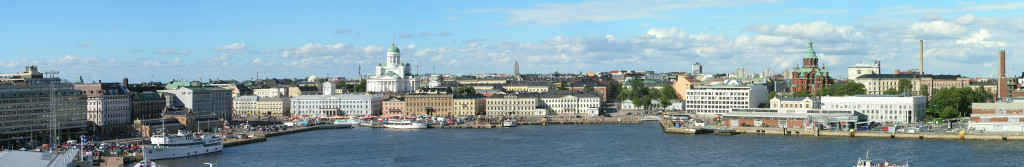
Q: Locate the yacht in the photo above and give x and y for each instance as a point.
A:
(510, 123)
(405, 124)
(352, 122)
(182, 145)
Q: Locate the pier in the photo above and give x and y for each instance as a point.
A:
(668, 128)
(580, 121)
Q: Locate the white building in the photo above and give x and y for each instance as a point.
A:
(998, 117)
(721, 99)
(572, 102)
(515, 104)
(271, 92)
(328, 88)
(859, 69)
(880, 108)
(263, 106)
(696, 69)
(393, 76)
(108, 106)
(331, 105)
(203, 100)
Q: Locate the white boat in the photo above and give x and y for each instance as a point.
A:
(510, 123)
(352, 122)
(338, 123)
(145, 161)
(650, 118)
(182, 145)
(405, 124)
(867, 163)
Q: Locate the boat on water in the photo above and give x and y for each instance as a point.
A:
(868, 163)
(650, 118)
(145, 161)
(405, 124)
(352, 122)
(183, 145)
(510, 123)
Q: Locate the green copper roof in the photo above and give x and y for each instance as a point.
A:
(393, 48)
(810, 51)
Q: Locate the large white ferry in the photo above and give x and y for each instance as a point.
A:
(182, 145)
(405, 124)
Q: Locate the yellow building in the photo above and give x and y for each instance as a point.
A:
(469, 105)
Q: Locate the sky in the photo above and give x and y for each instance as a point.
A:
(223, 40)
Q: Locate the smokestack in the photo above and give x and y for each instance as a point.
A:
(124, 82)
(922, 57)
(1002, 76)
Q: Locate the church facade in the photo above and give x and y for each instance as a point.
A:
(393, 76)
(810, 77)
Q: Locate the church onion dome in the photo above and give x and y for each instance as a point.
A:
(393, 48)
(810, 51)
(407, 64)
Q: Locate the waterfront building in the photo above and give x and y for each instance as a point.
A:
(469, 105)
(880, 108)
(274, 92)
(202, 100)
(859, 69)
(25, 113)
(572, 102)
(805, 103)
(810, 77)
(109, 108)
(429, 101)
(394, 106)
(680, 86)
(147, 105)
(253, 106)
(721, 99)
(514, 104)
(236, 89)
(598, 87)
(1001, 116)
(392, 76)
(331, 105)
(875, 84)
(792, 119)
(524, 86)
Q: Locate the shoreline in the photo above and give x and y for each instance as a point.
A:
(668, 129)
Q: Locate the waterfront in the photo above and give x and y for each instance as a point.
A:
(594, 145)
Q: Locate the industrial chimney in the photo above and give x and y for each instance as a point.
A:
(922, 58)
(1003, 89)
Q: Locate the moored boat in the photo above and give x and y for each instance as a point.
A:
(182, 145)
(510, 123)
(405, 124)
(867, 162)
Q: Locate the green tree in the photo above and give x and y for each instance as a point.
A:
(959, 99)
(904, 86)
(561, 85)
(665, 102)
(668, 92)
(772, 94)
(843, 89)
(588, 88)
(644, 102)
(625, 94)
(891, 91)
(924, 90)
(556, 74)
(654, 93)
(440, 78)
(361, 87)
(466, 90)
(802, 93)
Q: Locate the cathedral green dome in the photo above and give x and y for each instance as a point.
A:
(393, 48)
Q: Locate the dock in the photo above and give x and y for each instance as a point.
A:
(667, 126)
(582, 121)
(463, 126)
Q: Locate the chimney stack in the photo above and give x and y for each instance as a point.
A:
(922, 58)
(124, 82)
(1003, 89)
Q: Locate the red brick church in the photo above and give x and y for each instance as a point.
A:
(810, 76)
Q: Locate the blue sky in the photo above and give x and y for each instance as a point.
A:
(232, 39)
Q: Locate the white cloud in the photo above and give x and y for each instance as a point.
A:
(819, 30)
(937, 28)
(172, 51)
(343, 31)
(86, 43)
(980, 39)
(406, 35)
(966, 19)
(234, 48)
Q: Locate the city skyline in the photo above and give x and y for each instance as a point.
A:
(158, 41)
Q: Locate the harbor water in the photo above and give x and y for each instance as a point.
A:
(594, 145)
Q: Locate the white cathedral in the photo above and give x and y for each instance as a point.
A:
(393, 76)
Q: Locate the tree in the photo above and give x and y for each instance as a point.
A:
(588, 88)
(668, 92)
(772, 94)
(654, 93)
(361, 87)
(904, 86)
(625, 94)
(644, 102)
(802, 93)
(959, 99)
(466, 90)
(891, 91)
(843, 89)
(665, 102)
(440, 78)
(561, 85)
(556, 74)
(924, 90)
